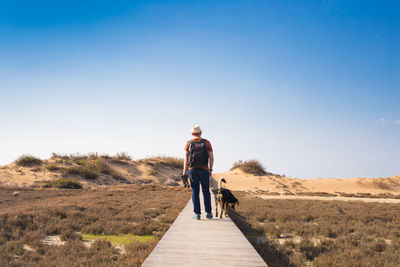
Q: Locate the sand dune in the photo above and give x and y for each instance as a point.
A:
(146, 171)
(273, 184)
(158, 171)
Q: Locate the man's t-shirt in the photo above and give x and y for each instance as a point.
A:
(208, 146)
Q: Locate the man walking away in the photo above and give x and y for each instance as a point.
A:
(199, 159)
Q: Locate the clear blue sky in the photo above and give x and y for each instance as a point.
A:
(309, 88)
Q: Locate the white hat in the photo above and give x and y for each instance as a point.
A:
(196, 129)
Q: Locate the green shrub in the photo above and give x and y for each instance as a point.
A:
(81, 162)
(28, 161)
(153, 172)
(105, 156)
(250, 166)
(52, 167)
(90, 169)
(59, 156)
(63, 183)
(82, 171)
(122, 156)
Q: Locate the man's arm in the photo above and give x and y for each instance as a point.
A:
(211, 157)
(185, 163)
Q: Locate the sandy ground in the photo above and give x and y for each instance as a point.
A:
(379, 200)
(278, 187)
(266, 185)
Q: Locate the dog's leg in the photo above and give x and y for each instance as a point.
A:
(221, 205)
(216, 207)
(226, 206)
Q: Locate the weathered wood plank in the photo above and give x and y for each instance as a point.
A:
(216, 242)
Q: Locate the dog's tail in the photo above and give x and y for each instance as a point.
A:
(221, 180)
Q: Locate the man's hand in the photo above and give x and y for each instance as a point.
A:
(185, 180)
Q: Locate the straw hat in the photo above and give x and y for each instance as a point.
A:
(196, 129)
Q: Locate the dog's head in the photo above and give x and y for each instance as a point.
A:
(232, 205)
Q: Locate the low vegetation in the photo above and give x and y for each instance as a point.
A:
(250, 167)
(28, 161)
(320, 233)
(89, 166)
(120, 239)
(121, 157)
(172, 162)
(136, 216)
(62, 183)
(326, 194)
(369, 195)
(52, 167)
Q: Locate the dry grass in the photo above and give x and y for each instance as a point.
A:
(369, 195)
(122, 156)
(326, 194)
(321, 233)
(172, 162)
(250, 166)
(316, 194)
(28, 161)
(139, 210)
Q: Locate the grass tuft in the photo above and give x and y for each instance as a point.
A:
(28, 161)
(52, 167)
(159, 161)
(250, 166)
(122, 156)
(81, 170)
(90, 169)
(62, 183)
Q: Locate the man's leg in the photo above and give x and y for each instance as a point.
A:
(205, 187)
(194, 181)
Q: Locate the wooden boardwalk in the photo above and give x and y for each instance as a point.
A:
(215, 242)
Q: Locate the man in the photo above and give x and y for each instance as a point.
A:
(199, 160)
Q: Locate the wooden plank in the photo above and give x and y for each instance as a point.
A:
(215, 242)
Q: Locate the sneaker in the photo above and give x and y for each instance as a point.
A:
(196, 216)
(209, 216)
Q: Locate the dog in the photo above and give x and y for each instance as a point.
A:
(224, 197)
